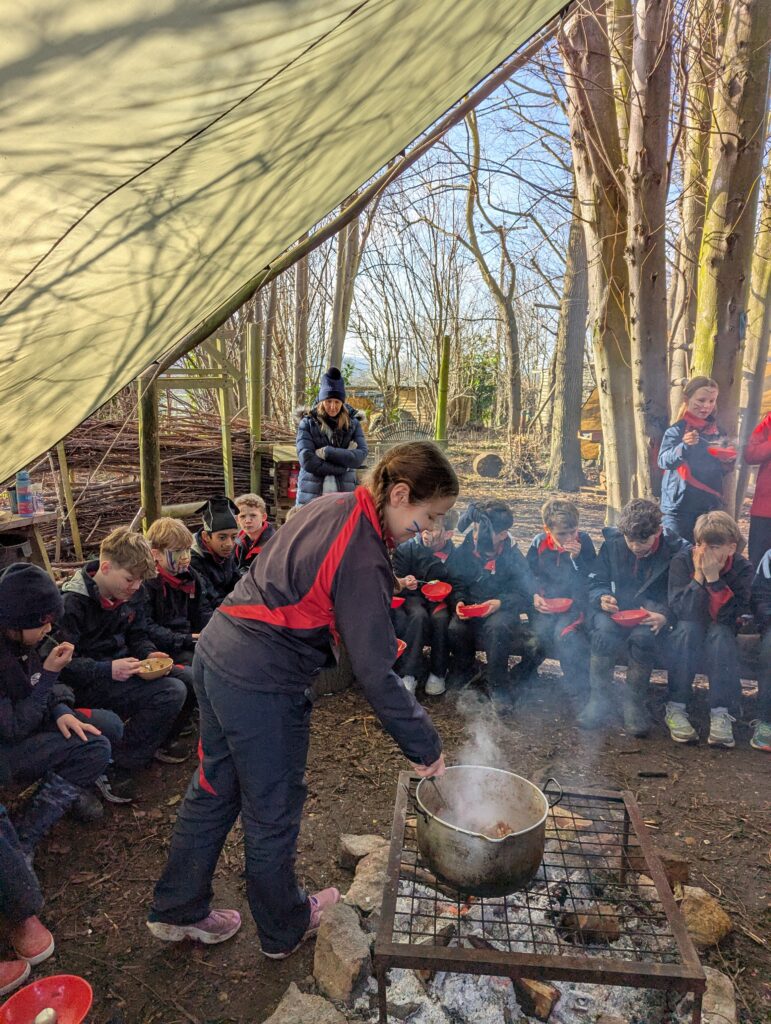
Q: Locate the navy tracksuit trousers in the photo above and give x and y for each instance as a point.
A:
(710, 648)
(20, 895)
(253, 752)
(78, 762)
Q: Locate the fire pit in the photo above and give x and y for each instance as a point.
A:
(599, 911)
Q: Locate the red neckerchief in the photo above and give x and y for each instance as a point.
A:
(444, 553)
(704, 426)
(254, 547)
(175, 582)
(109, 604)
(491, 563)
(717, 598)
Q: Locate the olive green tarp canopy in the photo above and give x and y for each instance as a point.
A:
(155, 154)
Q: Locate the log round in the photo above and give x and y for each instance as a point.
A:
(488, 464)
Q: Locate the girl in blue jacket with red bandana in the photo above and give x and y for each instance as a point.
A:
(695, 456)
(325, 576)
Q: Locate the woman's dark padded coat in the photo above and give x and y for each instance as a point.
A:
(340, 461)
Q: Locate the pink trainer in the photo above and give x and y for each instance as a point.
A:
(319, 903)
(219, 926)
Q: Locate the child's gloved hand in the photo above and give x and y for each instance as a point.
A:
(59, 657)
(431, 771)
(352, 445)
(608, 603)
(124, 668)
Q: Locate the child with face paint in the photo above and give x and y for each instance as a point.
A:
(177, 611)
(325, 577)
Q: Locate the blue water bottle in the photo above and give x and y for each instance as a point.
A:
(24, 499)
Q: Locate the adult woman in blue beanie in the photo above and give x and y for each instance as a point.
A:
(330, 442)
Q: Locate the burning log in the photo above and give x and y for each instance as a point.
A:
(561, 821)
(536, 998)
(426, 878)
(443, 938)
(597, 924)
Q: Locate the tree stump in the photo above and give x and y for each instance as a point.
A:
(488, 465)
(335, 679)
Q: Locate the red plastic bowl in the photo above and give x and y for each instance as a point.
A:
(473, 611)
(727, 454)
(401, 647)
(435, 590)
(397, 602)
(630, 617)
(69, 995)
(557, 605)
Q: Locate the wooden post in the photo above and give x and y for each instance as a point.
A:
(226, 414)
(440, 434)
(149, 448)
(69, 504)
(254, 395)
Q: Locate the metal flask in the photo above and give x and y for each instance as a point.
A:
(457, 822)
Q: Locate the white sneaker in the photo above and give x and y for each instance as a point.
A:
(410, 683)
(435, 685)
(721, 733)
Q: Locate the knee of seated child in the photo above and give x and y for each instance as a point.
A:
(107, 722)
(96, 751)
(168, 691)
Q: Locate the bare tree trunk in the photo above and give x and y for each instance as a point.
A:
(646, 189)
(565, 472)
(267, 359)
(620, 36)
(502, 294)
(758, 334)
(596, 149)
(740, 110)
(698, 44)
(301, 310)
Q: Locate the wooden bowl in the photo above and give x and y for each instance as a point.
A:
(631, 617)
(154, 668)
(435, 590)
(556, 605)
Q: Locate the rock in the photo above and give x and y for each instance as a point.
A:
(354, 848)
(705, 919)
(297, 1008)
(597, 924)
(366, 892)
(719, 1006)
(675, 865)
(342, 957)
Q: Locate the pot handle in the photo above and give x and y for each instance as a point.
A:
(551, 800)
(413, 803)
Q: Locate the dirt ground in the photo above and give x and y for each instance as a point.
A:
(713, 806)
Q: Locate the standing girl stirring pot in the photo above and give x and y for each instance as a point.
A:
(695, 457)
(326, 575)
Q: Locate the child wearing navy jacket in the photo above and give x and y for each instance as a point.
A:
(255, 532)
(761, 607)
(560, 560)
(419, 621)
(695, 457)
(709, 589)
(326, 575)
(42, 737)
(631, 573)
(490, 570)
(214, 554)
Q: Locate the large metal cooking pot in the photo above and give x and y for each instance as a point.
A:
(458, 820)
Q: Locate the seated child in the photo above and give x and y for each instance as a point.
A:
(42, 739)
(20, 903)
(428, 556)
(176, 611)
(560, 559)
(761, 607)
(632, 571)
(709, 588)
(489, 568)
(214, 556)
(256, 531)
(104, 618)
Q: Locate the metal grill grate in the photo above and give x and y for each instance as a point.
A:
(598, 861)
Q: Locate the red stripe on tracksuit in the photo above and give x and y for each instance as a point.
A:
(314, 609)
(203, 782)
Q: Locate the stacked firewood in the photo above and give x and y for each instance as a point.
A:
(103, 457)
